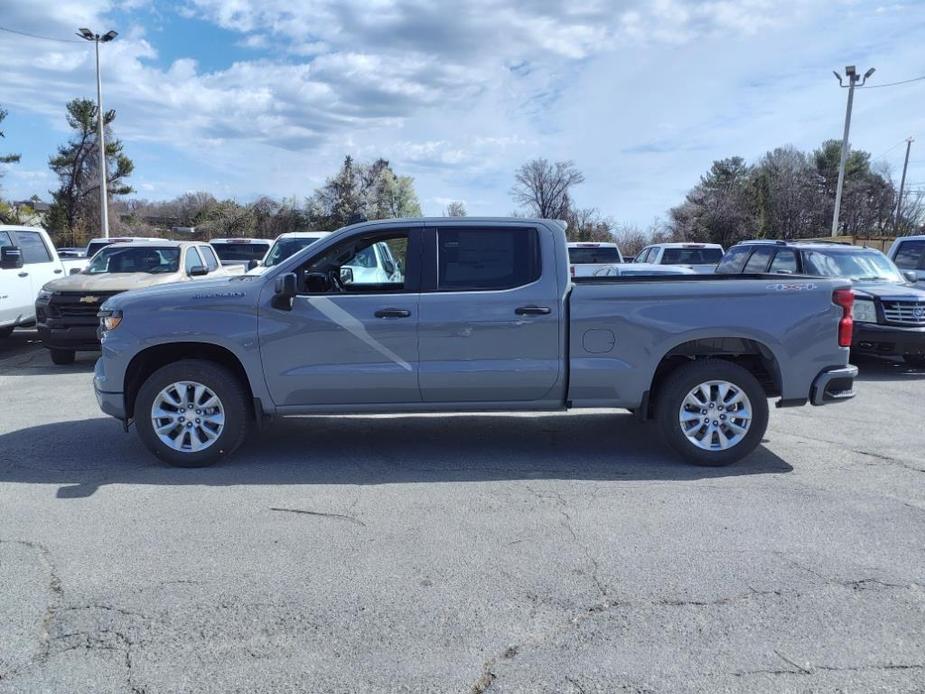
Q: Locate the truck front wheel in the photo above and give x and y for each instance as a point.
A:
(62, 357)
(712, 412)
(192, 413)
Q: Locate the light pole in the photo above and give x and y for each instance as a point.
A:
(853, 79)
(902, 185)
(85, 33)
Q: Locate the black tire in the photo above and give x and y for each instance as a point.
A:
(682, 381)
(63, 357)
(917, 360)
(224, 384)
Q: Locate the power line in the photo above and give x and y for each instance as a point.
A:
(892, 84)
(37, 36)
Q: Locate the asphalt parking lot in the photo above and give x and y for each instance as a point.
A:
(460, 554)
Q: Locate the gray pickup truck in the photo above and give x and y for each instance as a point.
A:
(478, 315)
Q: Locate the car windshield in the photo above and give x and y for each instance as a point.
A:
(692, 256)
(860, 265)
(600, 254)
(150, 259)
(231, 252)
(284, 248)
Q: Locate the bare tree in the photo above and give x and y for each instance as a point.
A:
(543, 187)
(587, 224)
(455, 209)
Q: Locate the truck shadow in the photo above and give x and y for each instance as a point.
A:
(885, 369)
(84, 455)
(22, 353)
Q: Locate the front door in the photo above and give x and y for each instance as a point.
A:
(490, 316)
(350, 338)
(37, 260)
(17, 302)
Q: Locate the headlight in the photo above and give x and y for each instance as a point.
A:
(44, 295)
(110, 320)
(864, 311)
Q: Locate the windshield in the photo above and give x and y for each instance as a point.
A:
(860, 266)
(284, 248)
(587, 256)
(148, 259)
(692, 256)
(231, 252)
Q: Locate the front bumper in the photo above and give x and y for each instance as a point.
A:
(833, 385)
(872, 338)
(111, 403)
(76, 337)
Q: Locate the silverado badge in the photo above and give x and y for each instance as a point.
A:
(89, 299)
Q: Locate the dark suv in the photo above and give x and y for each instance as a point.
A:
(889, 313)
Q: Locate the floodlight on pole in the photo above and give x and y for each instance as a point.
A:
(853, 81)
(85, 33)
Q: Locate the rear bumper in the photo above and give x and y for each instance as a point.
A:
(871, 338)
(833, 385)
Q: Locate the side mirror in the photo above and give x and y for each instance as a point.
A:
(911, 276)
(252, 263)
(198, 271)
(10, 258)
(75, 271)
(346, 275)
(389, 267)
(284, 291)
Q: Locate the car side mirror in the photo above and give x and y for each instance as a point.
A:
(198, 271)
(346, 275)
(911, 276)
(252, 263)
(285, 291)
(75, 271)
(389, 267)
(10, 258)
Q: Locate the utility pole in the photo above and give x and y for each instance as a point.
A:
(853, 79)
(85, 33)
(902, 185)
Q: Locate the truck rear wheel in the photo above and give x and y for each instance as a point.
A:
(63, 357)
(712, 412)
(192, 413)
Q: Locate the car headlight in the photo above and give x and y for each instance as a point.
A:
(110, 320)
(44, 295)
(864, 311)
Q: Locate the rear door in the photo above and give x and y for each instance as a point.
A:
(38, 260)
(352, 341)
(490, 315)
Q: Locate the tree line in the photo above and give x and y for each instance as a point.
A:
(786, 193)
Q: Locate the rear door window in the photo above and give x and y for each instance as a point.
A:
(486, 259)
(911, 255)
(5, 240)
(192, 259)
(734, 261)
(759, 261)
(785, 262)
(33, 247)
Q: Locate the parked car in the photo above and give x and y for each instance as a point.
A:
(641, 269)
(486, 317)
(287, 245)
(28, 260)
(587, 259)
(71, 253)
(908, 252)
(103, 241)
(699, 257)
(889, 312)
(240, 251)
(66, 308)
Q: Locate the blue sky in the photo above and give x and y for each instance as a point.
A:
(250, 97)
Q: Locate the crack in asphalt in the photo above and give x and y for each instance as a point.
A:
(322, 514)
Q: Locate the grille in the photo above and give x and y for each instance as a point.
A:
(904, 312)
(69, 305)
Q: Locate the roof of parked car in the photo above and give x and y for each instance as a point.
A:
(242, 240)
(157, 243)
(302, 234)
(797, 243)
(684, 244)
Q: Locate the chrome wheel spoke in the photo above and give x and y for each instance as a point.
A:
(726, 409)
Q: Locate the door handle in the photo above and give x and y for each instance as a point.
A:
(392, 313)
(58, 271)
(532, 310)
(23, 274)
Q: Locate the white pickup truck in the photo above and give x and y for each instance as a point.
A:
(28, 260)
